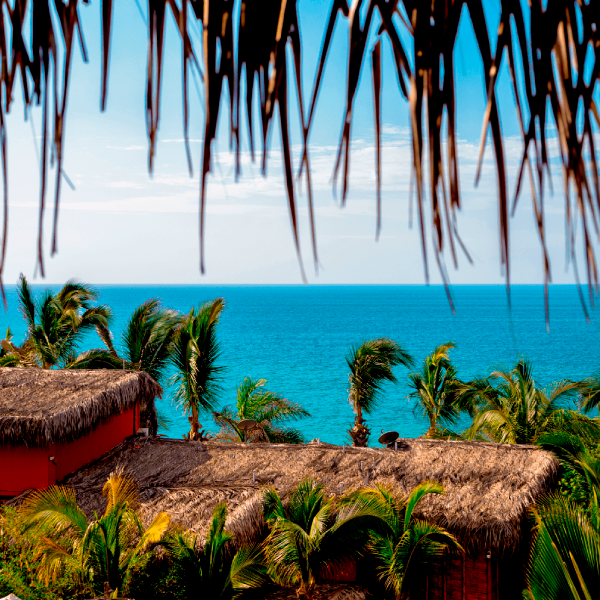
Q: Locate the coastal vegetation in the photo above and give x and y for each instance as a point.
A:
(194, 355)
(55, 326)
(438, 392)
(270, 412)
(514, 409)
(210, 569)
(105, 552)
(51, 547)
(370, 365)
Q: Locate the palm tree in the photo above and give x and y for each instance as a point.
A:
(590, 393)
(268, 409)
(515, 411)
(370, 365)
(55, 323)
(565, 556)
(308, 537)
(194, 355)
(146, 341)
(402, 545)
(437, 390)
(107, 550)
(211, 572)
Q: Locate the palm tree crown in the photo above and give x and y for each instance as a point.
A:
(515, 410)
(371, 364)
(106, 550)
(308, 536)
(55, 323)
(437, 389)
(211, 572)
(194, 355)
(402, 545)
(270, 411)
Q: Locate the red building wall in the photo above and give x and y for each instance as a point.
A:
(22, 468)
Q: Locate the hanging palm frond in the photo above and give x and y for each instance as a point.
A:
(552, 51)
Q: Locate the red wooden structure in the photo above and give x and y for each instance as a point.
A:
(22, 468)
(54, 422)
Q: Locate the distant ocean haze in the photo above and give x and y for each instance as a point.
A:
(297, 338)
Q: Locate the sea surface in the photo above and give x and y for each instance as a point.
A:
(297, 338)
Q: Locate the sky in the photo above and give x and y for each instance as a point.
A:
(122, 225)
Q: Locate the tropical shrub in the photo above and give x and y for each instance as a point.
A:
(19, 564)
(213, 571)
(270, 411)
(403, 547)
(514, 410)
(565, 555)
(309, 536)
(109, 549)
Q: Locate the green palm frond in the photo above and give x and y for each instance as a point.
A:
(211, 568)
(26, 302)
(513, 409)
(270, 411)
(400, 544)
(194, 355)
(370, 365)
(565, 555)
(107, 549)
(437, 390)
(148, 338)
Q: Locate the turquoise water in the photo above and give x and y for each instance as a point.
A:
(296, 337)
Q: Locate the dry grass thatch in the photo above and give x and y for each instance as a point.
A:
(40, 407)
(489, 487)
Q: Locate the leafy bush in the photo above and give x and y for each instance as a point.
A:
(18, 565)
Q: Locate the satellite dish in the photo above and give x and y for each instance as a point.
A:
(389, 437)
(246, 424)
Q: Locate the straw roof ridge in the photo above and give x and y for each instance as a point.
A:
(489, 487)
(41, 407)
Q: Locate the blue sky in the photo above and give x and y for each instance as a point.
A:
(121, 225)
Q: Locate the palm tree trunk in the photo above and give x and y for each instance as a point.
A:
(432, 428)
(195, 424)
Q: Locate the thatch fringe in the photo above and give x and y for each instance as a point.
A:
(42, 407)
(489, 487)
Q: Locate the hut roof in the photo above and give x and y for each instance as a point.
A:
(489, 487)
(40, 407)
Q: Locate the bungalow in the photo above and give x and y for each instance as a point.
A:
(489, 491)
(52, 422)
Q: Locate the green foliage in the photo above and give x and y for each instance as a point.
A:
(112, 548)
(580, 467)
(565, 556)
(514, 410)
(308, 536)
(211, 571)
(270, 411)
(19, 563)
(438, 391)
(194, 356)
(371, 364)
(55, 323)
(403, 546)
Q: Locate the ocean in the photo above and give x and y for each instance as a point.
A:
(297, 337)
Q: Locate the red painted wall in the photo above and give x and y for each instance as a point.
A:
(22, 468)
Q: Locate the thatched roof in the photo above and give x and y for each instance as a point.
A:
(40, 407)
(489, 487)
